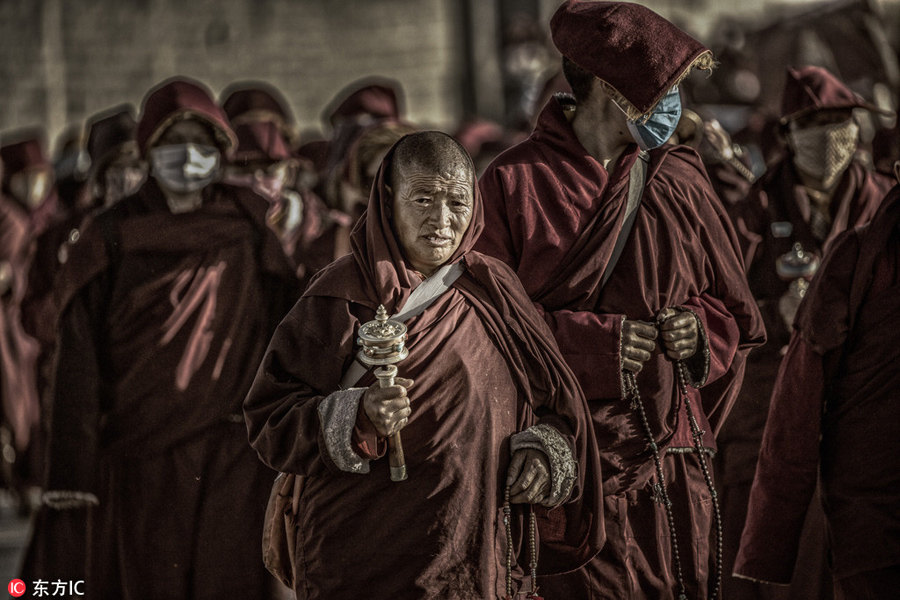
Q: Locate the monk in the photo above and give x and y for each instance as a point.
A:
(659, 347)
(834, 411)
(18, 350)
(816, 191)
(166, 299)
(485, 402)
(265, 161)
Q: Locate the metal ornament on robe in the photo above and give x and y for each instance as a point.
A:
(797, 266)
(383, 343)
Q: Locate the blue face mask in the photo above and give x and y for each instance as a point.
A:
(661, 125)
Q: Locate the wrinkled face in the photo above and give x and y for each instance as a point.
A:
(430, 214)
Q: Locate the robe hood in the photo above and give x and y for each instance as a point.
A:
(377, 99)
(377, 250)
(808, 89)
(108, 131)
(19, 156)
(178, 99)
(636, 52)
(258, 102)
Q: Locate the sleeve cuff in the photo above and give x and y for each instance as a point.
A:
(337, 417)
(63, 500)
(562, 464)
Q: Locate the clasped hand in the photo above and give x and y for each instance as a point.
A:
(677, 331)
(388, 408)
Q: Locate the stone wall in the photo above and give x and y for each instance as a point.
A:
(63, 60)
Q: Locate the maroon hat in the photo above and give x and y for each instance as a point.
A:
(257, 101)
(636, 52)
(109, 130)
(808, 89)
(254, 96)
(26, 154)
(18, 156)
(261, 141)
(178, 99)
(376, 99)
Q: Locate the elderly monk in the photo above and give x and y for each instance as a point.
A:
(834, 411)
(658, 337)
(486, 401)
(819, 189)
(166, 299)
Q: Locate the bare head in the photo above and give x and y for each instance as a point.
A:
(432, 184)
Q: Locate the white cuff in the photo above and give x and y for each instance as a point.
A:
(62, 500)
(562, 464)
(337, 417)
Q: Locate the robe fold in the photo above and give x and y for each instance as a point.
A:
(485, 367)
(553, 213)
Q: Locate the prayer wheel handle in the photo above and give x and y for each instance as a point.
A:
(383, 343)
(385, 377)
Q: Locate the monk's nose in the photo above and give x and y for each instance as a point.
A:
(441, 215)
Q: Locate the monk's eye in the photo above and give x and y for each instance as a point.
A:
(459, 205)
(422, 200)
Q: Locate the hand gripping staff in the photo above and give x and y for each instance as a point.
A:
(383, 343)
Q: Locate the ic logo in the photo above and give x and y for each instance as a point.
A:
(16, 588)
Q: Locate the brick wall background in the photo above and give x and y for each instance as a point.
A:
(63, 60)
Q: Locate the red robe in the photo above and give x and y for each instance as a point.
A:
(779, 203)
(18, 350)
(553, 213)
(834, 410)
(161, 316)
(485, 367)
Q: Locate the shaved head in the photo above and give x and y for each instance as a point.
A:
(432, 151)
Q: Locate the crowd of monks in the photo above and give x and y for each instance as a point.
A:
(640, 363)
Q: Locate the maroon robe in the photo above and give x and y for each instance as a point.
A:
(162, 314)
(321, 237)
(485, 367)
(779, 201)
(18, 350)
(834, 410)
(553, 213)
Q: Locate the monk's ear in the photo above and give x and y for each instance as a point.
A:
(897, 171)
(389, 205)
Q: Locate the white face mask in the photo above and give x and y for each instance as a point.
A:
(825, 151)
(185, 168)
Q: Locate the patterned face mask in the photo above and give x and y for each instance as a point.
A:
(825, 151)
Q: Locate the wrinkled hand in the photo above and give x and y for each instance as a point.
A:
(528, 477)
(388, 408)
(679, 333)
(638, 341)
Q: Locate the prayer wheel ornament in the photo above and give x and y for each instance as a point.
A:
(797, 266)
(383, 344)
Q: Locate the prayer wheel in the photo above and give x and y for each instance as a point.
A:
(383, 343)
